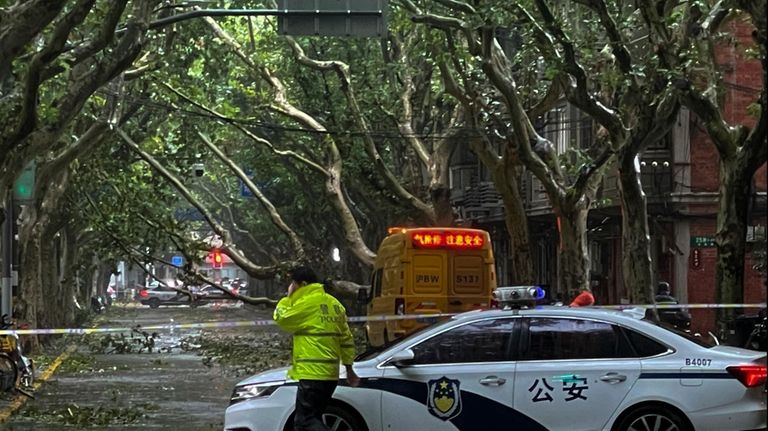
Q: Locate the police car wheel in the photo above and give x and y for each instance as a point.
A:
(340, 419)
(651, 418)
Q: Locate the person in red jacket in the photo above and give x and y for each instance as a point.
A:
(583, 299)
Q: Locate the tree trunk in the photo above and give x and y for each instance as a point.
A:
(573, 254)
(730, 237)
(68, 274)
(104, 271)
(352, 236)
(635, 235)
(48, 316)
(505, 179)
(441, 202)
(28, 302)
(439, 185)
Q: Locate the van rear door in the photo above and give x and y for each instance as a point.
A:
(429, 270)
(468, 287)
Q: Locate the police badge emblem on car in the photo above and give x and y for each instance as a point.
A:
(444, 398)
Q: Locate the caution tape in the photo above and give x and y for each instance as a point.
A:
(200, 325)
(678, 306)
(356, 319)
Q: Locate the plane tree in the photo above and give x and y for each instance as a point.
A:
(628, 67)
(54, 55)
(415, 138)
(739, 136)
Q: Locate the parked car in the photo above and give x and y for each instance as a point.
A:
(156, 294)
(215, 293)
(547, 368)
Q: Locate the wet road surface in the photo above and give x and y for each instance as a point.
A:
(156, 391)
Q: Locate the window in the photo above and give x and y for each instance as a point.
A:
(643, 345)
(552, 338)
(482, 341)
(462, 176)
(558, 128)
(376, 283)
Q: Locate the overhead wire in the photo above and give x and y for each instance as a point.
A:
(149, 103)
(571, 124)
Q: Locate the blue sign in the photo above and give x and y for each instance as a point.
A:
(244, 190)
(177, 260)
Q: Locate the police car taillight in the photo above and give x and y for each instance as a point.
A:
(144, 293)
(749, 375)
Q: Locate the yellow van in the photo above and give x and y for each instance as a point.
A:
(428, 271)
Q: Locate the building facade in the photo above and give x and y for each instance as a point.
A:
(680, 179)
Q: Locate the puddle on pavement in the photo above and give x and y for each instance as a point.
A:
(171, 387)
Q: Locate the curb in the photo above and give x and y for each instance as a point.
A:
(20, 399)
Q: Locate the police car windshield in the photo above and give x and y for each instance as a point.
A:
(372, 352)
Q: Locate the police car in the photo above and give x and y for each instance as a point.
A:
(542, 368)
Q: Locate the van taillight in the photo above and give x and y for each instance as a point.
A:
(400, 306)
(749, 375)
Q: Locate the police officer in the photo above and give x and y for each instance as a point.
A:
(321, 338)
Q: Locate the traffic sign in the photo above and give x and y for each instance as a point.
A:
(177, 261)
(703, 241)
(244, 190)
(364, 18)
(24, 186)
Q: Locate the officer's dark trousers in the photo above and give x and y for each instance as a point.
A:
(312, 398)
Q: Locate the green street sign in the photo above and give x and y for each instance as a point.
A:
(24, 186)
(703, 241)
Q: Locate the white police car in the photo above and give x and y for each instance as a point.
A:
(549, 368)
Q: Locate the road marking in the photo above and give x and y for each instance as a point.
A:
(20, 399)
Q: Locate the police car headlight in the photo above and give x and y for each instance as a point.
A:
(255, 390)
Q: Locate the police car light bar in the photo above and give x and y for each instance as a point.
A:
(518, 294)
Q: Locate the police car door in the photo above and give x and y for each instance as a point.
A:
(572, 373)
(460, 379)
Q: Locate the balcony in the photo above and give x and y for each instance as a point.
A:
(479, 202)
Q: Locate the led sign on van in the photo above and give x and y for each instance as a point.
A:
(453, 239)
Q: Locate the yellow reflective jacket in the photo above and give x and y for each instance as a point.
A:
(321, 336)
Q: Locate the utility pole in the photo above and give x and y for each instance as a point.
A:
(7, 257)
(23, 194)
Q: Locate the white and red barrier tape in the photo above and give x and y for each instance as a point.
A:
(266, 322)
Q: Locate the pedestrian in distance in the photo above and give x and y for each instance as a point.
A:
(321, 339)
(583, 299)
(664, 293)
(677, 317)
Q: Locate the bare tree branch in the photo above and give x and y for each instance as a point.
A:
(228, 247)
(342, 71)
(274, 215)
(233, 122)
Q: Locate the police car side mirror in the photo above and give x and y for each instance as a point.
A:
(402, 358)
